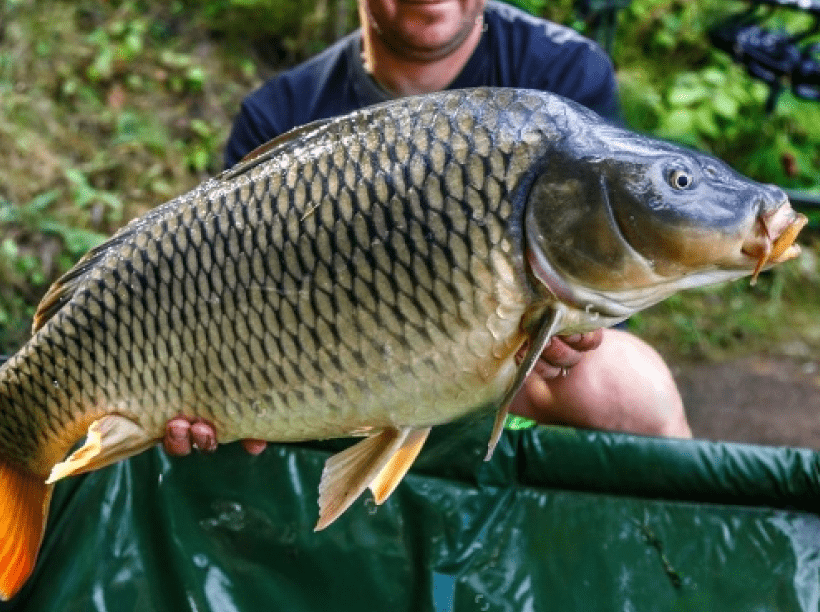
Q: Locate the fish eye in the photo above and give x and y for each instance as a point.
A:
(680, 179)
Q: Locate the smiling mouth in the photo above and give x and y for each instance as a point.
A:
(772, 240)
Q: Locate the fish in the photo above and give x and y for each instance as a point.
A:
(370, 275)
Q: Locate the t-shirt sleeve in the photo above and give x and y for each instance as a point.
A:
(539, 54)
(593, 82)
(316, 89)
(577, 69)
(253, 126)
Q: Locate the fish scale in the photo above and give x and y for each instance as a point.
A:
(174, 257)
(372, 274)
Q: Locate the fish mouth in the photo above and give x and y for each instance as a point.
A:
(773, 236)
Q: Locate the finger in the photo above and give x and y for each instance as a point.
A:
(547, 371)
(254, 447)
(177, 440)
(203, 435)
(559, 354)
(584, 342)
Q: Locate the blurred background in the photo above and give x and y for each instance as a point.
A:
(108, 108)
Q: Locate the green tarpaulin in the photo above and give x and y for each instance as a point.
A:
(558, 520)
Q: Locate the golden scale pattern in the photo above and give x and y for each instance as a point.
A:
(283, 283)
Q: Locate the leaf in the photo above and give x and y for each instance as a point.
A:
(28, 213)
(103, 66)
(714, 76)
(201, 128)
(9, 249)
(42, 201)
(679, 123)
(81, 190)
(687, 95)
(725, 106)
(77, 241)
(706, 121)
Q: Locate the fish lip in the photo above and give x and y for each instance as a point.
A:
(772, 238)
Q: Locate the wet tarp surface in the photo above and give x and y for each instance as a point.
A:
(558, 520)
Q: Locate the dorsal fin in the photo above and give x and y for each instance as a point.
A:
(64, 287)
(271, 148)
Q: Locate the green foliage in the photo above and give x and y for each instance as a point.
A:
(675, 85)
(534, 7)
(33, 218)
(24, 270)
(294, 28)
(204, 140)
(106, 109)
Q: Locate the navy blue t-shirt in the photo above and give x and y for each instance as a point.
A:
(515, 50)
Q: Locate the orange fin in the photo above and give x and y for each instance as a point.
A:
(109, 439)
(348, 473)
(391, 475)
(24, 500)
(547, 328)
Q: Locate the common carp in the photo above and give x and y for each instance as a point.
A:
(372, 275)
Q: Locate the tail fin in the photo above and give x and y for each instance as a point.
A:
(24, 500)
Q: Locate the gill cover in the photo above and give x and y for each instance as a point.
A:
(616, 222)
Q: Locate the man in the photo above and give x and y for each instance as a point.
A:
(606, 379)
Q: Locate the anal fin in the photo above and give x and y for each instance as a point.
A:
(348, 473)
(24, 501)
(109, 439)
(547, 327)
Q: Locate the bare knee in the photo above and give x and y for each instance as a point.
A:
(623, 385)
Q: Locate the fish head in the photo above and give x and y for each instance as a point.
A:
(614, 231)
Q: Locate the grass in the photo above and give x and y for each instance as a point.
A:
(106, 110)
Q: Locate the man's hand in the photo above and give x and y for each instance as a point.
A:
(562, 353)
(622, 385)
(182, 434)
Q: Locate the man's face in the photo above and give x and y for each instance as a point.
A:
(422, 29)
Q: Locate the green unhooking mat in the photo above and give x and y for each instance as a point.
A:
(558, 520)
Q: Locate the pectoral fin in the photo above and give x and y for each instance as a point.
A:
(109, 439)
(547, 328)
(378, 462)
